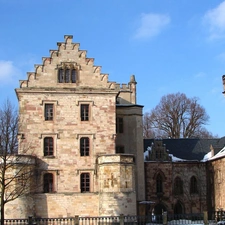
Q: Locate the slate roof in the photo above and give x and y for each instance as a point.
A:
(190, 149)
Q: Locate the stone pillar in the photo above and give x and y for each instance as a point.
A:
(205, 213)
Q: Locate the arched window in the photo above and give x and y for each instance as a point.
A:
(159, 184)
(193, 185)
(85, 182)
(178, 208)
(48, 183)
(178, 186)
(48, 146)
(84, 146)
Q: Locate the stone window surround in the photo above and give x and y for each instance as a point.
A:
(53, 181)
(48, 146)
(91, 137)
(55, 136)
(85, 102)
(43, 103)
(86, 184)
(70, 66)
(84, 146)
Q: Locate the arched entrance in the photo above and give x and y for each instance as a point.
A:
(157, 212)
(178, 208)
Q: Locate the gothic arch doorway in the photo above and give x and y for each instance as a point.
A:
(157, 212)
(178, 208)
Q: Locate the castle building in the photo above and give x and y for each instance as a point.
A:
(86, 136)
(188, 185)
(86, 133)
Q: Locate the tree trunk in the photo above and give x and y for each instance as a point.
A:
(2, 212)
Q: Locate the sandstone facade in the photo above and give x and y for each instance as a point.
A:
(86, 135)
(87, 162)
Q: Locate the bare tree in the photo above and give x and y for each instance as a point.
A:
(177, 116)
(16, 171)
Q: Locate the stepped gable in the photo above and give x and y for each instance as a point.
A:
(68, 55)
(190, 148)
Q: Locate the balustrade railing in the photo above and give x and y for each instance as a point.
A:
(164, 219)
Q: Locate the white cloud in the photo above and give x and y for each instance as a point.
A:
(215, 20)
(151, 25)
(8, 71)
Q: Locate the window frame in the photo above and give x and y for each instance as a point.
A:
(178, 186)
(48, 183)
(119, 125)
(49, 111)
(67, 75)
(193, 185)
(49, 146)
(84, 146)
(159, 183)
(85, 182)
(84, 112)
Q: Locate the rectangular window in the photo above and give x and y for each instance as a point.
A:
(67, 75)
(85, 182)
(119, 125)
(48, 183)
(84, 146)
(73, 76)
(84, 112)
(120, 149)
(60, 75)
(48, 146)
(22, 180)
(48, 111)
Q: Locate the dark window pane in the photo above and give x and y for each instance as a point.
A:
(48, 182)
(120, 149)
(60, 76)
(84, 146)
(67, 76)
(73, 76)
(159, 184)
(119, 125)
(178, 186)
(48, 146)
(85, 182)
(84, 112)
(48, 111)
(193, 186)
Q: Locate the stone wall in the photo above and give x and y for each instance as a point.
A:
(217, 183)
(52, 83)
(190, 203)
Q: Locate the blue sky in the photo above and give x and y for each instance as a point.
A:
(169, 45)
